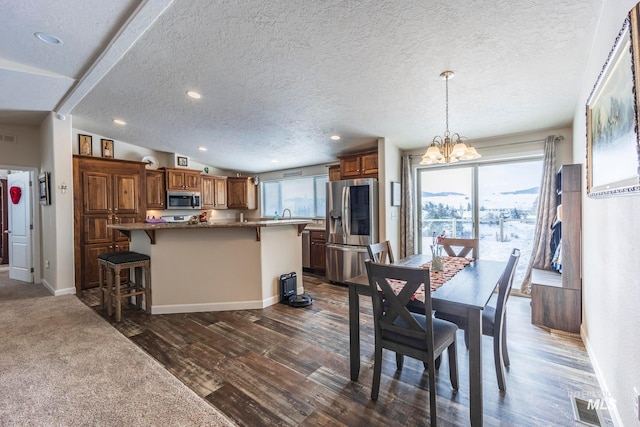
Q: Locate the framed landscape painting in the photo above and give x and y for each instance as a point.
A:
(612, 121)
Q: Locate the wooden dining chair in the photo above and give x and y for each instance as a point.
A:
(381, 252)
(407, 333)
(494, 319)
(460, 247)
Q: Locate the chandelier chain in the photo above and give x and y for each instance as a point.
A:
(446, 85)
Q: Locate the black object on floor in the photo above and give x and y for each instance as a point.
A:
(288, 286)
(303, 300)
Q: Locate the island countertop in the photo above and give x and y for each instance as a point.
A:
(151, 227)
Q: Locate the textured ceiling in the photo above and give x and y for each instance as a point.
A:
(278, 78)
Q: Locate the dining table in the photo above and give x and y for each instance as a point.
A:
(464, 294)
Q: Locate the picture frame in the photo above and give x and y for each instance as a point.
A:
(396, 194)
(613, 150)
(85, 145)
(182, 161)
(107, 148)
(44, 188)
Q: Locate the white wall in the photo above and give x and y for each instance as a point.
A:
(611, 265)
(389, 171)
(57, 218)
(25, 151)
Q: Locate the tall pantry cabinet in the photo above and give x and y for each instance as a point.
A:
(106, 191)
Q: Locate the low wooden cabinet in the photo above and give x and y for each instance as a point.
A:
(106, 192)
(182, 179)
(552, 305)
(360, 165)
(241, 193)
(214, 192)
(155, 189)
(318, 252)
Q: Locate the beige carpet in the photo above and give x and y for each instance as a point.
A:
(63, 365)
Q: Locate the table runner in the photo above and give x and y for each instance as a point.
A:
(451, 265)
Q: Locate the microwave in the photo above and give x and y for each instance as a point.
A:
(183, 200)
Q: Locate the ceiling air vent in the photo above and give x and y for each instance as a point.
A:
(8, 138)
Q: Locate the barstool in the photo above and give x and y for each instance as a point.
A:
(113, 291)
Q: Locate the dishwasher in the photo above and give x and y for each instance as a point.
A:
(306, 249)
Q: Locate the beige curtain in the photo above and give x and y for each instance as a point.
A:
(540, 255)
(407, 222)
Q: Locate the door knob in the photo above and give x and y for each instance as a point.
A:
(7, 232)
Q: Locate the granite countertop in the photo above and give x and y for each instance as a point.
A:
(213, 224)
(316, 227)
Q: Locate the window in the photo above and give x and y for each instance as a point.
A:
(305, 197)
(506, 200)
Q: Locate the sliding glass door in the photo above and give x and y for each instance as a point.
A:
(446, 200)
(494, 202)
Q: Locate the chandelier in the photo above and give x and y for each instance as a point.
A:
(450, 148)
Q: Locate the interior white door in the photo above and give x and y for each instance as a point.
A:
(20, 258)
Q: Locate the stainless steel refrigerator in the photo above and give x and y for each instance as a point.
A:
(352, 223)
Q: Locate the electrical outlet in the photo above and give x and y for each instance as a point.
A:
(636, 402)
(46, 264)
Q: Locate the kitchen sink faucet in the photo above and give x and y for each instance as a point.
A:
(286, 210)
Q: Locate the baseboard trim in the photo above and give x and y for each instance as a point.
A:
(611, 405)
(57, 292)
(218, 306)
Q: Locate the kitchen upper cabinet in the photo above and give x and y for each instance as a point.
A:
(241, 193)
(214, 192)
(359, 165)
(156, 193)
(106, 192)
(182, 179)
(334, 173)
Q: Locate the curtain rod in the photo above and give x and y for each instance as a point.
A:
(558, 138)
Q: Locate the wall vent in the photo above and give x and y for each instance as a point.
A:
(588, 412)
(8, 138)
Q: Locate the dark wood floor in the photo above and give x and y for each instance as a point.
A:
(290, 366)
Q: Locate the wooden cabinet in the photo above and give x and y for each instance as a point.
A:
(155, 189)
(556, 299)
(182, 179)
(241, 193)
(334, 173)
(214, 192)
(318, 252)
(105, 192)
(360, 165)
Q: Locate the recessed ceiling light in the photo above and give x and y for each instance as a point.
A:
(119, 122)
(48, 38)
(202, 148)
(274, 160)
(335, 137)
(193, 94)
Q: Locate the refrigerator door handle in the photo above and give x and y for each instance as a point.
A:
(346, 221)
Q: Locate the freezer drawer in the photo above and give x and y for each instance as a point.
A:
(345, 262)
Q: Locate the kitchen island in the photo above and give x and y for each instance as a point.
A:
(216, 266)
